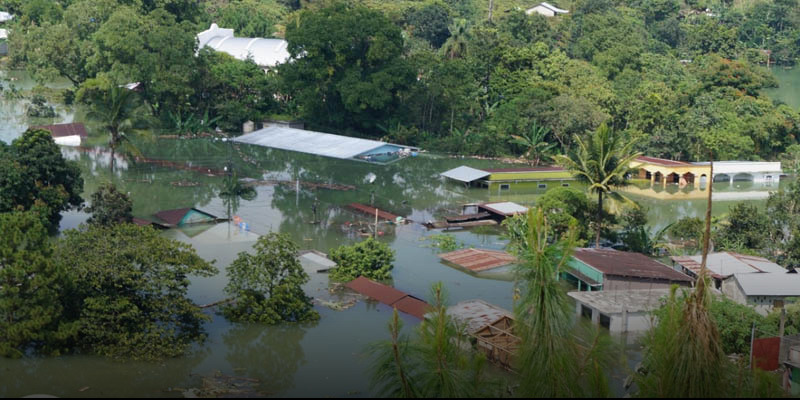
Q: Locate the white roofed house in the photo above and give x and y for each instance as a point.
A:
(265, 52)
(763, 292)
(725, 264)
(546, 9)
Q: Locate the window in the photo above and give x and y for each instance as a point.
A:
(505, 186)
(542, 186)
(586, 312)
(605, 321)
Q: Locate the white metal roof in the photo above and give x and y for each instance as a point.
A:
(553, 8)
(6, 16)
(465, 174)
(743, 167)
(784, 284)
(264, 52)
(323, 144)
(725, 264)
(3, 33)
(506, 207)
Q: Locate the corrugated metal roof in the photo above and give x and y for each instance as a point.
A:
(662, 161)
(412, 306)
(322, 144)
(615, 301)
(264, 52)
(506, 208)
(174, 217)
(61, 130)
(476, 314)
(726, 263)
(389, 296)
(627, 264)
(465, 174)
(782, 284)
(478, 259)
(527, 169)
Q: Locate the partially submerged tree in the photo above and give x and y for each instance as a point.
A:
(601, 160)
(267, 287)
(110, 206)
(535, 144)
(369, 258)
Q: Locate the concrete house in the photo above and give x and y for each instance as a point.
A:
(608, 269)
(620, 311)
(763, 292)
(724, 264)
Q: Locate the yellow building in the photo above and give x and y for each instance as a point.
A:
(506, 177)
(659, 170)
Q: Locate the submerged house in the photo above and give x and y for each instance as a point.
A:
(186, 216)
(266, 53)
(492, 328)
(71, 134)
(620, 311)
(506, 178)
(725, 264)
(663, 171)
(608, 269)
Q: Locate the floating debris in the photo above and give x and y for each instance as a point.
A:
(221, 385)
(184, 183)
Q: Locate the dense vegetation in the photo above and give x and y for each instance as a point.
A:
(369, 258)
(682, 77)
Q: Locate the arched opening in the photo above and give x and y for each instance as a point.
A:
(703, 181)
(743, 177)
(687, 179)
(673, 178)
(658, 177)
(722, 178)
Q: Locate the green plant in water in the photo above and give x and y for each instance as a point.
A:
(443, 242)
(370, 258)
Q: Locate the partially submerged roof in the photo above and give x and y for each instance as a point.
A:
(318, 143)
(389, 296)
(465, 174)
(319, 259)
(615, 301)
(181, 216)
(264, 52)
(662, 161)
(478, 259)
(769, 284)
(724, 264)
(505, 208)
(62, 130)
(476, 314)
(627, 264)
(525, 170)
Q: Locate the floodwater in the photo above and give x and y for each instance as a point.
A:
(325, 358)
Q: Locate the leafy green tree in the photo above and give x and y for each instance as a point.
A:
(534, 141)
(119, 109)
(637, 237)
(348, 70)
(430, 22)
(687, 229)
(370, 258)
(31, 283)
(129, 292)
(565, 207)
(745, 228)
(735, 322)
(110, 206)
(35, 176)
(456, 44)
(551, 360)
(248, 18)
(268, 287)
(601, 161)
(434, 364)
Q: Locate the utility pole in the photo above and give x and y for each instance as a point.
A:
(491, 7)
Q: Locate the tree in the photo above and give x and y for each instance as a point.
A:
(35, 176)
(602, 160)
(249, 18)
(110, 206)
(129, 292)
(537, 148)
(456, 44)
(566, 207)
(430, 22)
(268, 287)
(31, 283)
(745, 230)
(551, 360)
(347, 69)
(118, 108)
(370, 258)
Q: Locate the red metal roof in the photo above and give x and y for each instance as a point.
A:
(528, 169)
(478, 259)
(61, 130)
(626, 264)
(371, 211)
(389, 296)
(663, 161)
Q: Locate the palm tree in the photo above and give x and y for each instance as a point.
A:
(601, 161)
(534, 142)
(118, 109)
(456, 44)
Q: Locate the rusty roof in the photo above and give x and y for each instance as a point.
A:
(478, 259)
(174, 217)
(663, 161)
(389, 296)
(528, 169)
(724, 264)
(475, 314)
(627, 264)
(61, 130)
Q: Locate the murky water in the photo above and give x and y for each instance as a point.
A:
(321, 359)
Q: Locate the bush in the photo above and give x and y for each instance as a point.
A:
(110, 206)
(371, 259)
(267, 286)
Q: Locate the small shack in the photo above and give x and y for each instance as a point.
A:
(390, 296)
(478, 260)
(146, 222)
(186, 216)
(609, 269)
(619, 311)
(71, 134)
(492, 327)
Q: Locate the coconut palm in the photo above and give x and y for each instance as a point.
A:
(119, 111)
(534, 141)
(456, 44)
(601, 161)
